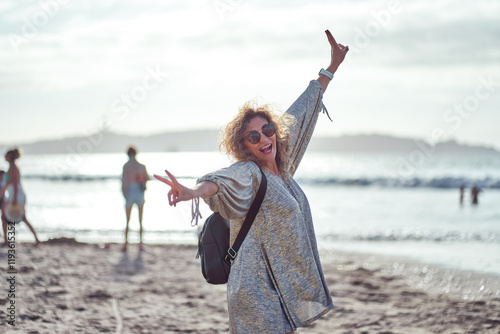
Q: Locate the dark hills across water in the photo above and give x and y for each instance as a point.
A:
(207, 140)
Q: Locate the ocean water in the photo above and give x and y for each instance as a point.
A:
(390, 204)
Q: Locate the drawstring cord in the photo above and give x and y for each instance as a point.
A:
(325, 111)
(195, 211)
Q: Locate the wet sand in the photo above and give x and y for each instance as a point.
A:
(65, 287)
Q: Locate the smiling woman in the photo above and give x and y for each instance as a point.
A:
(250, 120)
(276, 283)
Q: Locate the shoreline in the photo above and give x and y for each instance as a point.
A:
(89, 288)
(433, 278)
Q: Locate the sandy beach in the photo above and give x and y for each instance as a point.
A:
(67, 287)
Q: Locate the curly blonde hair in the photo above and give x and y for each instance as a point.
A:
(233, 139)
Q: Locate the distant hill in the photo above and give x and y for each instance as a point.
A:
(384, 143)
(106, 142)
(207, 140)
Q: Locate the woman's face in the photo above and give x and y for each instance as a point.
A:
(265, 150)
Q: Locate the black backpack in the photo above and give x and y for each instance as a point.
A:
(213, 242)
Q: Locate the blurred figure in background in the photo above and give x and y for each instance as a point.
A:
(134, 179)
(462, 193)
(2, 184)
(474, 194)
(13, 209)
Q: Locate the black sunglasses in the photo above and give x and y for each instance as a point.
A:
(267, 130)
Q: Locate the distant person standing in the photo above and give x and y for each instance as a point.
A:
(474, 194)
(13, 210)
(134, 179)
(462, 194)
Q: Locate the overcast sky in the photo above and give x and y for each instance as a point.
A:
(423, 69)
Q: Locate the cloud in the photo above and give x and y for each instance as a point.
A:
(434, 34)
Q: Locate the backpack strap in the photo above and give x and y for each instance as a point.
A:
(252, 213)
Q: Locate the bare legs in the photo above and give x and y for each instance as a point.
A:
(128, 210)
(32, 230)
(141, 209)
(4, 226)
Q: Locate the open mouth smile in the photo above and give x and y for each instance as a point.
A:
(266, 149)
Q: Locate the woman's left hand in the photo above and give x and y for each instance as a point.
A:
(338, 52)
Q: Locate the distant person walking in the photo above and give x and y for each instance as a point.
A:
(13, 210)
(134, 179)
(474, 194)
(2, 184)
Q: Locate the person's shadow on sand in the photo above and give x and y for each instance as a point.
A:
(127, 267)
